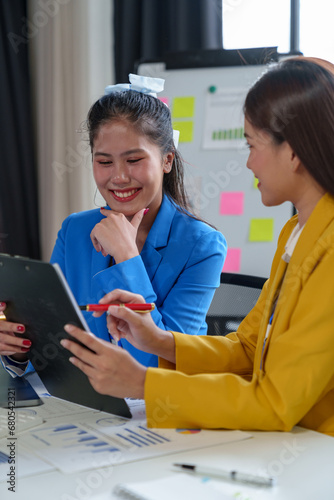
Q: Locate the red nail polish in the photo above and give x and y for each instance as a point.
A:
(20, 328)
(25, 349)
(26, 342)
(2, 304)
(146, 210)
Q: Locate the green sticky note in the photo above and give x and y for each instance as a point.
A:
(255, 182)
(186, 130)
(261, 230)
(183, 107)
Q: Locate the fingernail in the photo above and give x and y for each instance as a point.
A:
(146, 210)
(2, 304)
(25, 349)
(27, 343)
(20, 328)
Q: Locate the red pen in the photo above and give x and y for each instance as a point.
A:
(141, 308)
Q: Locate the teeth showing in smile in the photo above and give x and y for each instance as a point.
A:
(126, 194)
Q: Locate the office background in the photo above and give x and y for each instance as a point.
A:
(57, 56)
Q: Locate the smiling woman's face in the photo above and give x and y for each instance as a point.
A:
(270, 164)
(128, 169)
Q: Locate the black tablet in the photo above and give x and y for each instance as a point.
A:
(38, 296)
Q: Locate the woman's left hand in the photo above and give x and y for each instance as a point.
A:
(111, 370)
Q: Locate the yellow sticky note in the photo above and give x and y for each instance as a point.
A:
(255, 182)
(261, 230)
(186, 130)
(183, 107)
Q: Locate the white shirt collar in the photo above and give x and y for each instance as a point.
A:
(291, 243)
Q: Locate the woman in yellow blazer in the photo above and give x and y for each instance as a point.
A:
(277, 370)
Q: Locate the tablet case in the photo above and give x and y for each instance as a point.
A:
(38, 296)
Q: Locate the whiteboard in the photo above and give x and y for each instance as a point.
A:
(221, 188)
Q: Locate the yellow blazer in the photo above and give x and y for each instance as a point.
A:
(218, 382)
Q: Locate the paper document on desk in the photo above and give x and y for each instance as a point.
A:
(176, 487)
(182, 486)
(25, 418)
(26, 464)
(102, 439)
(56, 408)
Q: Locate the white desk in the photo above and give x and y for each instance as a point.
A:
(301, 460)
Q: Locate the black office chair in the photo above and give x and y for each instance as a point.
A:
(232, 301)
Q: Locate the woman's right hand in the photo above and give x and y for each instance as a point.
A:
(138, 328)
(115, 235)
(10, 345)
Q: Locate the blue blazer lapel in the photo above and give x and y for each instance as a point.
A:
(98, 263)
(158, 237)
(151, 258)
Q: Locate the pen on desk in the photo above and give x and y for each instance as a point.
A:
(238, 477)
(141, 308)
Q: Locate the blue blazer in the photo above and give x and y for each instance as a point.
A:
(179, 269)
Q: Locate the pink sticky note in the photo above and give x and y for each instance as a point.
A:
(231, 203)
(164, 99)
(232, 261)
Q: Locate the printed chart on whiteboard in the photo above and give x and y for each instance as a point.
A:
(224, 122)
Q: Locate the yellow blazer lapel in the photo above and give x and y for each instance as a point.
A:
(273, 293)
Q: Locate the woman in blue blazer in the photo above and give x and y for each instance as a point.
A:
(178, 269)
(145, 240)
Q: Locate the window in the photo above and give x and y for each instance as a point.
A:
(266, 23)
(256, 23)
(316, 28)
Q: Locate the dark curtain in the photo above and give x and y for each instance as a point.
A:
(18, 180)
(148, 29)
